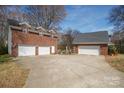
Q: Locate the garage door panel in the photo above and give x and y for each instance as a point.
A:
(44, 50)
(26, 50)
(90, 50)
(52, 49)
(88, 47)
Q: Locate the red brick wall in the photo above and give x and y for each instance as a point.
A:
(22, 38)
(103, 48)
(75, 48)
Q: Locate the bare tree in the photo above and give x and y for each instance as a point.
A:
(11, 12)
(46, 16)
(67, 39)
(117, 19)
(3, 28)
(16, 12)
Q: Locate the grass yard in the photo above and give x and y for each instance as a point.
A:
(12, 75)
(116, 61)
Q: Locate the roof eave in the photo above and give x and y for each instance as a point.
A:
(90, 43)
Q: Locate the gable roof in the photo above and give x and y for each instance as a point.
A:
(100, 37)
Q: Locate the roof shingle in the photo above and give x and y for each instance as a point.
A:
(92, 38)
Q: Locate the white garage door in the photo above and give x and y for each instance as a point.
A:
(89, 50)
(26, 50)
(44, 50)
(52, 49)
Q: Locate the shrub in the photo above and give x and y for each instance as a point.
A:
(5, 58)
(112, 50)
(3, 50)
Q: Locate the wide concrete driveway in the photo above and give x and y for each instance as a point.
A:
(71, 71)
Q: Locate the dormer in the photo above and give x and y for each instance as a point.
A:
(25, 26)
(41, 30)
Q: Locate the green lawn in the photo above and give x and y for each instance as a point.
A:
(5, 58)
(116, 61)
(11, 74)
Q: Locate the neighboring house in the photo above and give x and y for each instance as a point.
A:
(23, 40)
(94, 43)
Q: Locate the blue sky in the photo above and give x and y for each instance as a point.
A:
(87, 18)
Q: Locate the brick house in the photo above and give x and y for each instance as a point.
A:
(23, 40)
(93, 43)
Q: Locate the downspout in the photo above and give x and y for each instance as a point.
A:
(10, 41)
